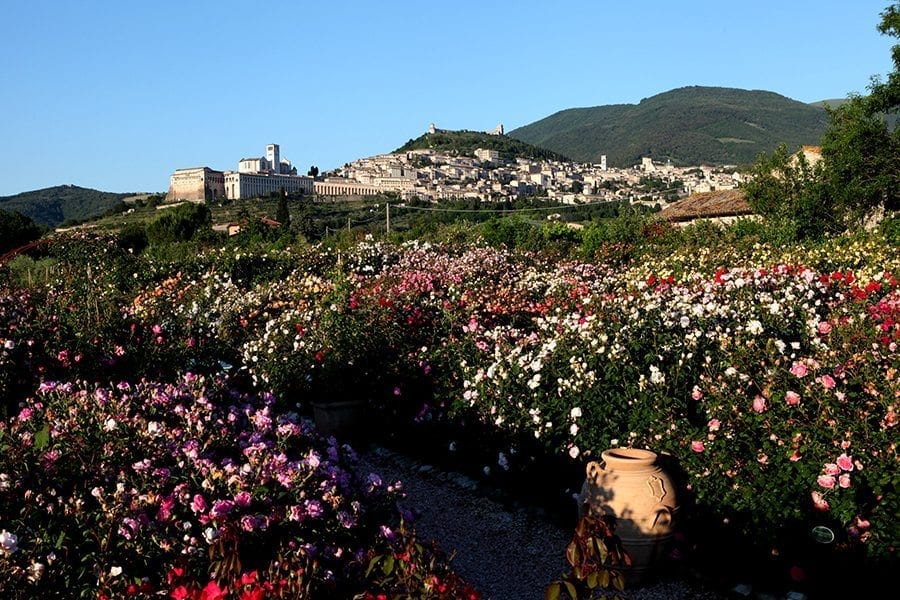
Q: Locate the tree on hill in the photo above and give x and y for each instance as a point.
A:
(17, 230)
(464, 143)
(179, 224)
(282, 214)
(861, 153)
(859, 174)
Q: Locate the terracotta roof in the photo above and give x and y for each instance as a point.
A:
(705, 205)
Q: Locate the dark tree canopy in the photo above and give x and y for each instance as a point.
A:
(859, 175)
(16, 230)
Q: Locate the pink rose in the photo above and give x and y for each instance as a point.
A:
(697, 446)
(759, 404)
(696, 394)
(832, 469)
(198, 504)
(792, 398)
(799, 370)
(714, 424)
(819, 501)
(824, 327)
(845, 462)
(844, 480)
(826, 481)
(828, 382)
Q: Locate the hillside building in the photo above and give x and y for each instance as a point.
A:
(253, 185)
(197, 184)
(487, 155)
(257, 176)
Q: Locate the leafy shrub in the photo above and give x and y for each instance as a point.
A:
(16, 230)
(178, 224)
(890, 229)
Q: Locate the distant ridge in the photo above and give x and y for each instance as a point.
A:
(687, 126)
(56, 205)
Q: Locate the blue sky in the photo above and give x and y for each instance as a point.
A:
(116, 95)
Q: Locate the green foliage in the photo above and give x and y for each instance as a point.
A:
(510, 232)
(689, 126)
(861, 150)
(178, 224)
(282, 215)
(885, 95)
(596, 558)
(862, 160)
(64, 203)
(16, 230)
(133, 237)
(859, 174)
(412, 568)
(890, 229)
(792, 194)
(464, 143)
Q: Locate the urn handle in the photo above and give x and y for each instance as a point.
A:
(593, 470)
(662, 516)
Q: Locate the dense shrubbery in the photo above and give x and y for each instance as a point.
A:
(16, 229)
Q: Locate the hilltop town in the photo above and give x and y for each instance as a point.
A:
(434, 175)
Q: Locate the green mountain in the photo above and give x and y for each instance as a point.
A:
(891, 119)
(56, 205)
(688, 126)
(465, 143)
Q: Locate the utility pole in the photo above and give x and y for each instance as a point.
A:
(387, 217)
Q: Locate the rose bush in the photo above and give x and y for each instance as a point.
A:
(186, 489)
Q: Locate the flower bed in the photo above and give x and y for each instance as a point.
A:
(767, 377)
(190, 490)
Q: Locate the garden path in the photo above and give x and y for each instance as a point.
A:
(508, 554)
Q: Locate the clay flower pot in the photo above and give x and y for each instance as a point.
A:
(628, 484)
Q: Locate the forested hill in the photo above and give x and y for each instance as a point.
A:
(56, 205)
(688, 126)
(465, 143)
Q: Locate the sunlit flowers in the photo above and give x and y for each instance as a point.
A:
(9, 543)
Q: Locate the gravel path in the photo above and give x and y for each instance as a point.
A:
(506, 554)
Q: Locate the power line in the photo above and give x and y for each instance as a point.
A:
(501, 210)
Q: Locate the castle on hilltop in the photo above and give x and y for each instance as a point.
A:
(498, 130)
(256, 176)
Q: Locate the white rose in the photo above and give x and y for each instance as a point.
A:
(9, 542)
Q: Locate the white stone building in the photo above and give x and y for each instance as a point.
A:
(257, 176)
(252, 185)
(196, 184)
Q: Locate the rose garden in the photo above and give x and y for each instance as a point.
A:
(158, 437)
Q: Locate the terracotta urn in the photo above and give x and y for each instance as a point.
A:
(343, 419)
(628, 484)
